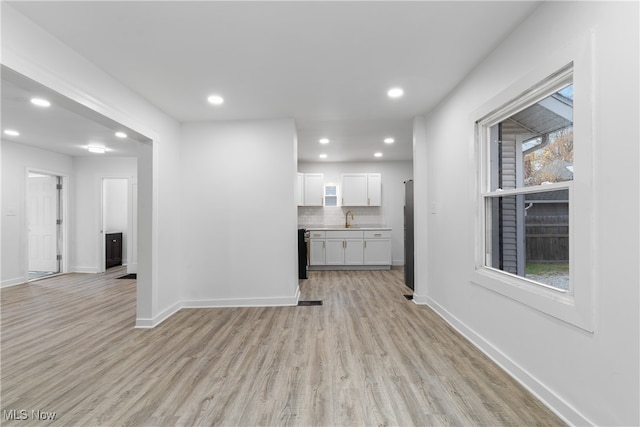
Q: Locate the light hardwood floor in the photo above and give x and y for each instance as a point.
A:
(366, 357)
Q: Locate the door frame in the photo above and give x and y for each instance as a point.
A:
(62, 232)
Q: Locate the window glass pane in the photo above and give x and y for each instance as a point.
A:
(535, 145)
(331, 201)
(330, 190)
(528, 235)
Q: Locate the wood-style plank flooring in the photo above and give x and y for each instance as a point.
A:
(367, 356)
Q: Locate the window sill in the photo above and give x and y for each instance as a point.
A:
(557, 303)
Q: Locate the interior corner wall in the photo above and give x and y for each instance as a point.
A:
(31, 51)
(587, 378)
(239, 213)
(16, 158)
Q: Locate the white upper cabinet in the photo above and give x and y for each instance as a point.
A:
(361, 189)
(313, 189)
(374, 189)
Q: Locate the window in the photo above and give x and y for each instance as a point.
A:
(330, 195)
(528, 184)
(534, 142)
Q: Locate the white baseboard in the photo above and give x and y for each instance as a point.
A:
(81, 269)
(12, 282)
(218, 303)
(132, 268)
(161, 317)
(563, 409)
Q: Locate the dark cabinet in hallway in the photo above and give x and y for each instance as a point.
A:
(113, 249)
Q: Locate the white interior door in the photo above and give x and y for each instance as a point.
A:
(43, 228)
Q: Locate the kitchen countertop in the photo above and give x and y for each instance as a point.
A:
(355, 228)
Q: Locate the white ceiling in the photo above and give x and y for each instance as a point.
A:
(65, 127)
(326, 64)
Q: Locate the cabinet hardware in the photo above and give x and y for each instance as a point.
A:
(365, 244)
(377, 235)
(369, 202)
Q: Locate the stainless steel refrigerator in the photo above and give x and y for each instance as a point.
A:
(408, 233)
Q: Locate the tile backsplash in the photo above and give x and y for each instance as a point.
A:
(317, 216)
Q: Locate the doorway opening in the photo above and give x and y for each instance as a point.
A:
(115, 221)
(45, 232)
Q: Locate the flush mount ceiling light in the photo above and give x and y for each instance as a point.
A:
(215, 100)
(121, 134)
(40, 102)
(389, 140)
(324, 140)
(96, 149)
(396, 92)
(378, 154)
(323, 156)
(11, 132)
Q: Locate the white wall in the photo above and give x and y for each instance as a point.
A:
(390, 214)
(239, 213)
(115, 197)
(588, 378)
(16, 159)
(31, 51)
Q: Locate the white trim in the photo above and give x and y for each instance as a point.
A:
(13, 282)
(577, 306)
(159, 318)
(542, 188)
(218, 303)
(553, 401)
(84, 269)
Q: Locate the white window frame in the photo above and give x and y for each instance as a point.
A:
(576, 306)
(336, 196)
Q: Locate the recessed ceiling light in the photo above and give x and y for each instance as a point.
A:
(389, 140)
(11, 132)
(324, 140)
(121, 134)
(378, 154)
(96, 149)
(215, 99)
(396, 92)
(323, 156)
(40, 102)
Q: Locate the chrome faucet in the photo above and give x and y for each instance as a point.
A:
(346, 219)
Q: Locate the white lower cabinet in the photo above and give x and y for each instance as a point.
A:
(350, 248)
(344, 251)
(316, 248)
(316, 255)
(377, 247)
(334, 252)
(344, 247)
